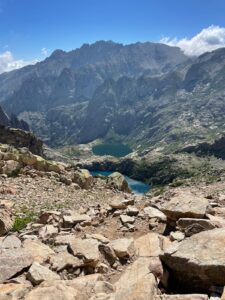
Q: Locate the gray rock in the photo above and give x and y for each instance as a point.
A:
(127, 220)
(10, 242)
(38, 273)
(83, 178)
(75, 218)
(63, 260)
(48, 231)
(192, 226)
(136, 282)
(13, 261)
(185, 205)
(198, 261)
(152, 212)
(118, 202)
(176, 236)
(118, 182)
(87, 250)
(124, 248)
(132, 211)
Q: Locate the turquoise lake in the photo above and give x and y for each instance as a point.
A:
(138, 187)
(116, 150)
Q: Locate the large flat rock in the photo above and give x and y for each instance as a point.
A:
(199, 261)
(13, 261)
(87, 250)
(136, 283)
(185, 204)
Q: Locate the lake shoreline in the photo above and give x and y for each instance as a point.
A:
(136, 186)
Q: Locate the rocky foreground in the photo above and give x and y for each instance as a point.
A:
(68, 236)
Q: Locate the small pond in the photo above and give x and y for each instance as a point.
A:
(117, 150)
(138, 187)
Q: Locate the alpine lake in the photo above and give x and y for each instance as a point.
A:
(119, 150)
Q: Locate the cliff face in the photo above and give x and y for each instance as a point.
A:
(216, 148)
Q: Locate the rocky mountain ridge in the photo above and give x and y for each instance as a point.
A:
(147, 95)
(53, 95)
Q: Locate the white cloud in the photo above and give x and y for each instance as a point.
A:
(207, 40)
(9, 63)
(44, 51)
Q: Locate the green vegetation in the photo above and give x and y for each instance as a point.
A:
(21, 222)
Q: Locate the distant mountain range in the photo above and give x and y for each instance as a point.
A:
(149, 95)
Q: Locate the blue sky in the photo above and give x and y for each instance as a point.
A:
(30, 29)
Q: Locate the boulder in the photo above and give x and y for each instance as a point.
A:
(176, 236)
(124, 248)
(13, 261)
(38, 273)
(118, 202)
(49, 217)
(11, 168)
(149, 245)
(99, 237)
(40, 251)
(117, 181)
(47, 231)
(10, 242)
(198, 262)
(132, 211)
(64, 239)
(87, 250)
(83, 178)
(136, 282)
(63, 260)
(192, 226)
(152, 212)
(55, 291)
(6, 223)
(75, 218)
(127, 220)
(185, 204)
(108, 253)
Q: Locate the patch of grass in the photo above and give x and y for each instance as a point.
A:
(21, 222)
(177, 183)
(158, 191)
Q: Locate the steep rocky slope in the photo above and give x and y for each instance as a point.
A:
(67, 235)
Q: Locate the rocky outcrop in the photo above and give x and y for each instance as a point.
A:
(198, 263)
(19, 139)
(83, 178)
(215, 148)
(14, 161)
(118, 182)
